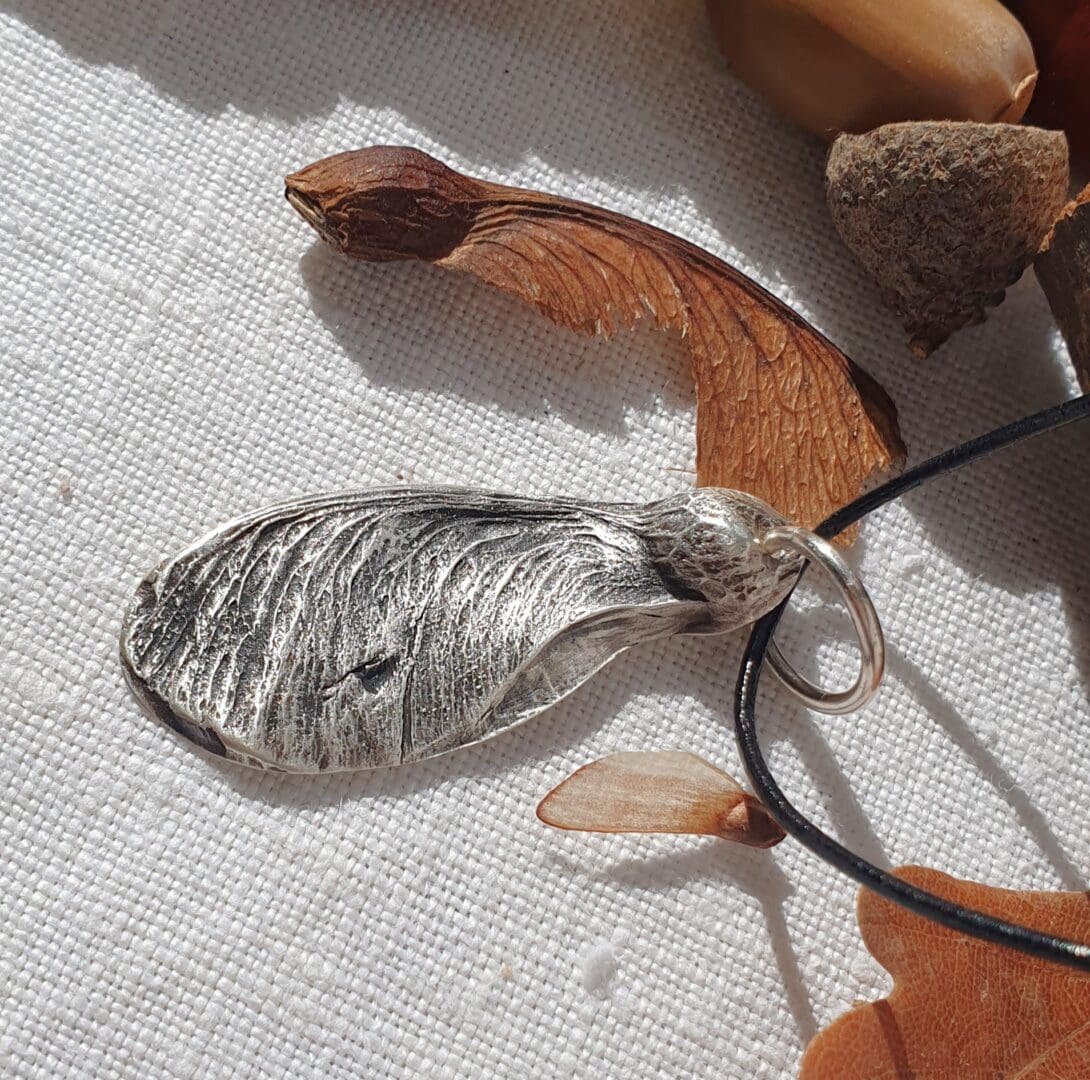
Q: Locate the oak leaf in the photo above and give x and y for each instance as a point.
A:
(961, 1007)
(781, 412)
(658, 791)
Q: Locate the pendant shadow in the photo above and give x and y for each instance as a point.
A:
(519, 361)
(1021, 521)
(731, 866)
(572, 721)
(852, 827)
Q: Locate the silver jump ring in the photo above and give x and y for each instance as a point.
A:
(872, 645)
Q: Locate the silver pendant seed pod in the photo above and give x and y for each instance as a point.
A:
(372, 628)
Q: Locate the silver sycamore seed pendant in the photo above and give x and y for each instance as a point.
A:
(377, 627)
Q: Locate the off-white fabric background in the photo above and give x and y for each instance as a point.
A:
(177, 349)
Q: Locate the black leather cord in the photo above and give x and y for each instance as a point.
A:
(976, 923)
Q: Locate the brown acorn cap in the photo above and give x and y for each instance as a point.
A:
(945, 214)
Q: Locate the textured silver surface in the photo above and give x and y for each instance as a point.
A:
(370, 628)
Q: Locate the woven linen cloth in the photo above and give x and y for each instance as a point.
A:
(179, 348)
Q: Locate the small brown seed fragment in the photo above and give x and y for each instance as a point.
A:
(659, 791)
(1063, 269)
(945, 215)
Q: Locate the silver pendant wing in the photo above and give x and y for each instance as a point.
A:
(378, 627)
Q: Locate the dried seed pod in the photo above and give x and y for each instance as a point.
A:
(659, 791)
(945, 215)
(851, 65)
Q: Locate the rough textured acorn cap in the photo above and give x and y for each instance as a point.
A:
(945, 215)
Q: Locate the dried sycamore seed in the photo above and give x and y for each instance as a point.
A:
(659, 791)
(781, 412)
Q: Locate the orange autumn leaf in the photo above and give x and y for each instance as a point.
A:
(962, 1008)
(781, 412)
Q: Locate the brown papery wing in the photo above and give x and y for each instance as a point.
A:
(658, 791)
(781, 412)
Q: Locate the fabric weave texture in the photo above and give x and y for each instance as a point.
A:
(179, 348)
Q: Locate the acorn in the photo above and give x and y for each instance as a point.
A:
(850, 65)
(945, 215)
